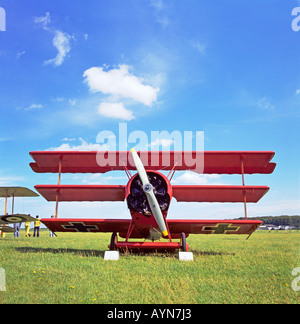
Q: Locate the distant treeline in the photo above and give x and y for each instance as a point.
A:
(279, 220)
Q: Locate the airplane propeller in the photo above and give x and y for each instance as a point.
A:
(148, 190)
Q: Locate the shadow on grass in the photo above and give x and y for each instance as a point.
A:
(97, 253)
(86, 253)
(205, 253)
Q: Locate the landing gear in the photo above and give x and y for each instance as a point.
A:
(113, 242)
(184, 246)
(147, 246)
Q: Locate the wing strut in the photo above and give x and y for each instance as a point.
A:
(6, 203)
(243, 180)
(12, 204)
(58, 182)
(127, 171)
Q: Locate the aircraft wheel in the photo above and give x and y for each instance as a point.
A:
(183, 242)
(113, 241)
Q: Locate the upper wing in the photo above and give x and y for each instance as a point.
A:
(87, 225)
(200, 162)
(219, 193)
(16, 218)
(213, 226)
(82, 192)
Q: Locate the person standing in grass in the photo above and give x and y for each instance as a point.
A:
(27, 229)
(17, 227)
(37, 224)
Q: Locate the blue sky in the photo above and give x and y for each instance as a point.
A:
(228, 68)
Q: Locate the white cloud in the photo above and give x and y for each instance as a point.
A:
(275, 208)
(20, 54)
(164, 142)
(44, 21)
(83, 146)
(199, 47)
(66, 139)
(61, 41)
(196, 179)
(115, 110)
(120, 82)
(159, 9)
(157, 4)
(34, 106)
(264, 103)
(10, 180)
(72, 102)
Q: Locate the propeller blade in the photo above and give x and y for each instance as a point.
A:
(148, 189)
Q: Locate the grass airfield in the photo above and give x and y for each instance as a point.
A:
(70, 269)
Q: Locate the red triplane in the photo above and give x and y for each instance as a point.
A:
(149, 194)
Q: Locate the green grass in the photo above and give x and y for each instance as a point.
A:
(226, 269)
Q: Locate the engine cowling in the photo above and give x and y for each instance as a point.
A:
(146, 226)
(137, 200)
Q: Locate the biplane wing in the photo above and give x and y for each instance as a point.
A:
(16, 218)
(102, 162)
(181, 193)
(6, 229)
(82, 192)
(214, 226)
(219, 193)
(87, 225)
(16, 192)
(176, 227)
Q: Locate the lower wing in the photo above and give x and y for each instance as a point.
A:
(87, 225)
(213, 226)
(175, 226)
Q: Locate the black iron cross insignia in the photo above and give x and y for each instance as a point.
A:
(221, 228)
(80, 227)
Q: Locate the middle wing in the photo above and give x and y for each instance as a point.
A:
(219, 193)
(82, 192)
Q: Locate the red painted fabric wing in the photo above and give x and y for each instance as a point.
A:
(213, 226)
(102, 162)
(87, 225)
(82, 193)
(219, 193)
